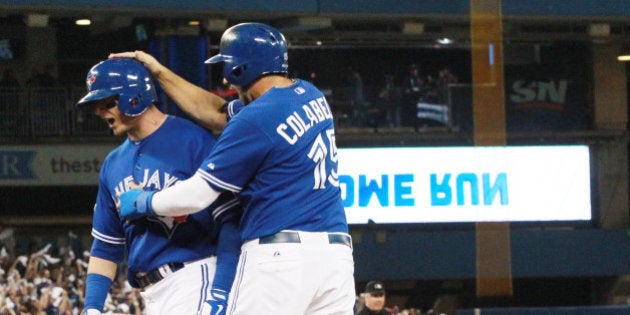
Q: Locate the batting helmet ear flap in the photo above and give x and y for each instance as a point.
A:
(134, 101)
(238, 71)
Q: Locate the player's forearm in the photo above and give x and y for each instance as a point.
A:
(203, 106)
(101, 273)
(102, 266)
(189, 196)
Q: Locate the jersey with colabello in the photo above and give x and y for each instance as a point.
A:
(276, 146)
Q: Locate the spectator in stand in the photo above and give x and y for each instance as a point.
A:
(374, 299)
(41, 283)
(312, 77)
(43, 79)
(411, 311)
(390, 98)
(48, 77)
(445, 78)
(7, 240)
(10, 108)
(413, 85)
(357, 100)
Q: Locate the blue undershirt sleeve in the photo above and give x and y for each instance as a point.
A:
(96, 289)
(228, 252)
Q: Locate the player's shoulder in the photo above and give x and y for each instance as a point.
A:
(119, 150)
(183, 126)
(282, 98)
(117, 154)
(298, 92)
(303, 86)
(180, 122)
(276, 104)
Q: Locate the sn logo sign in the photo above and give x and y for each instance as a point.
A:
(526, 91)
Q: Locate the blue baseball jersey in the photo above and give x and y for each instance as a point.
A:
(172, 153)
(279, 156)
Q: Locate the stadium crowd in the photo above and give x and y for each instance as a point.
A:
(51, 281)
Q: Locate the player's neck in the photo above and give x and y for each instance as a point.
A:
(147, 124)
(266, 83)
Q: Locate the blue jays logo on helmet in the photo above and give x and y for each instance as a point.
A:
(90, 79)
(251, 50)
(123, 77)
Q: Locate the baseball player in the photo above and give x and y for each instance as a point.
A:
(278, 154)
(173, 259)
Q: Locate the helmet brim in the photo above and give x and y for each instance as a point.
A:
(218, 58)
(94, 96)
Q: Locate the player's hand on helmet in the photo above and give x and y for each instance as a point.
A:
(216, 304)
(147, 60)
(91, 311)
(135, 204)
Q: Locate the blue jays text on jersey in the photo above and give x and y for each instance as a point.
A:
(152, 181)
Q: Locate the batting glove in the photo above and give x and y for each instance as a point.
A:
(91, 312)
(217, 304)
(136, 204)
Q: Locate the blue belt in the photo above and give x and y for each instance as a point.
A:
(143, 280)
(294, 237)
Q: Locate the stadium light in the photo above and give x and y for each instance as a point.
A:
(83, 22)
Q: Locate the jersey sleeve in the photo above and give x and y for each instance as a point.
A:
(236, 157)
(233, 107)
(226, 208)
(106, 225)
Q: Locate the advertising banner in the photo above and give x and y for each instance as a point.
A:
(466, 184)
(51, 165)
(389, 185)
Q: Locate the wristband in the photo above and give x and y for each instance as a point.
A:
(96, 289)
(143, 202)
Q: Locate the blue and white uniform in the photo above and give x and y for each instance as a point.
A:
(278, 155)
(297, 133)
(158, 246)
(276, 146)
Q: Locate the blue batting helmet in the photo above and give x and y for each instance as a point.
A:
(251, 50)
(123, 77)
